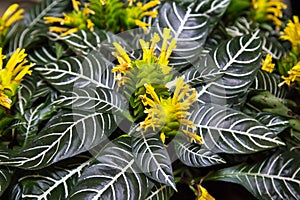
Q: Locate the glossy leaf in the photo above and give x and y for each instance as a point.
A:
(277, 177)
(225, 130)
(113, 175)
(269, 82)
(67, 134)
(6, 175)
(77, 72)
(194, 155)
(92, 99)
(152, 158)
(239, 60)
(274, 122)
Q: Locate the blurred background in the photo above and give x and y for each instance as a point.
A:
(294, 5)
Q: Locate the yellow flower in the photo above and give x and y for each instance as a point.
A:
(267, 64)
(292, 32)
(268, 10)
(74, 21)
(294, 75)
(149, 56)
(203, 194)
(169, 114)
(11, 76)
(10, 16)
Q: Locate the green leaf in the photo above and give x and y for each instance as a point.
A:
(6, 175)
(79, 72)
(50, 183)
(43, 55)
(92, 99)
(274, 122)
(239, 60)
(224, 130)
(67, 134)
(152, 157)
(269, 82)
(113, 175)
(194, 155)
(160, 192)
(188, 29)
(277, 177)
(34, 25)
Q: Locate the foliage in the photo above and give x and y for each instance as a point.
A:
(107, 112)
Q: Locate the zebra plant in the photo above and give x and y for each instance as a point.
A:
(110, 112)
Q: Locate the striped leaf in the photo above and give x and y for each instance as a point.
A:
(225, 130)
(113, 175)
(152, 158)
(239, 60)
(67, 134)
(34, 25)
(43, 55)
(92, 99)
(269, 82)
(188, 29)
(54, 182)
(78, 72)
(277, 177)
(192, 154)
(275, 123)
(160, 192)
(6, 175)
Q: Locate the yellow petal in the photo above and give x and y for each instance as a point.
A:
(122, 52)
(9, 11)
(50, 20)
(24, 71)
(75, 5)
(5, 100)
(15, 17)
(70, 31)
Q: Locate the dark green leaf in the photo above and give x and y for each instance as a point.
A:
(160, 192)
(277, 177)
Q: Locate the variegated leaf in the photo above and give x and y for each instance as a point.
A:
(277, 177)
(6, 175)
(192, 154)
(78, 72)
(188, 29)
(269, 82)
(239, 60)
(67, 134)
(152, 157)
(160, 192)
(113, 175)
(274, 122)
(229, 131)
(92, 99)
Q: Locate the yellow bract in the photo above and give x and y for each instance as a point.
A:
(294, 75)
(149, 56)
(10, 16)
(269, 10)
(74, 21)
(165, 112)
(267, 64)
(12, 74)
(292, 32)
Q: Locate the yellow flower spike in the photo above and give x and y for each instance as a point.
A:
(69, 31)
(50, 20)
(12, 74)
(267, 64)
(164, 114)
(10, 10)
(294, 75)
(143, 25)
(166, 52)
(150, 4)
(292, 32)
(76, 5)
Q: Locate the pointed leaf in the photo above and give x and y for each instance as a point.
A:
(192, 154)
(92, 99)
(160, 192)
(229, 131)
(67, 134)
(152, 158)
(278, 177)
(239, 59)
(6, 175)
(113, 175)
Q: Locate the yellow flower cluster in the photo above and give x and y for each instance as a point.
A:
(75, 21)
(12, 74)
(10, 16)
(294, 75)
(125, 63)
(268, 10)
(292, 32)
(267, 64)
(166, 114)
